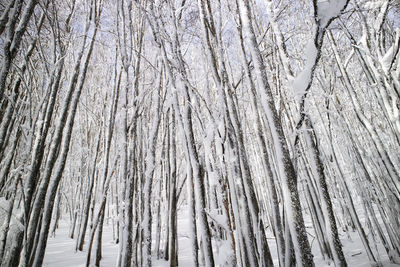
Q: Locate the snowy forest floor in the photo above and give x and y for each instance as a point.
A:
(61, 252)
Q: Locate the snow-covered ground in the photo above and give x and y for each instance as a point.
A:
(61, 249)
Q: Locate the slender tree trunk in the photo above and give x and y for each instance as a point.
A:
(285, 166)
